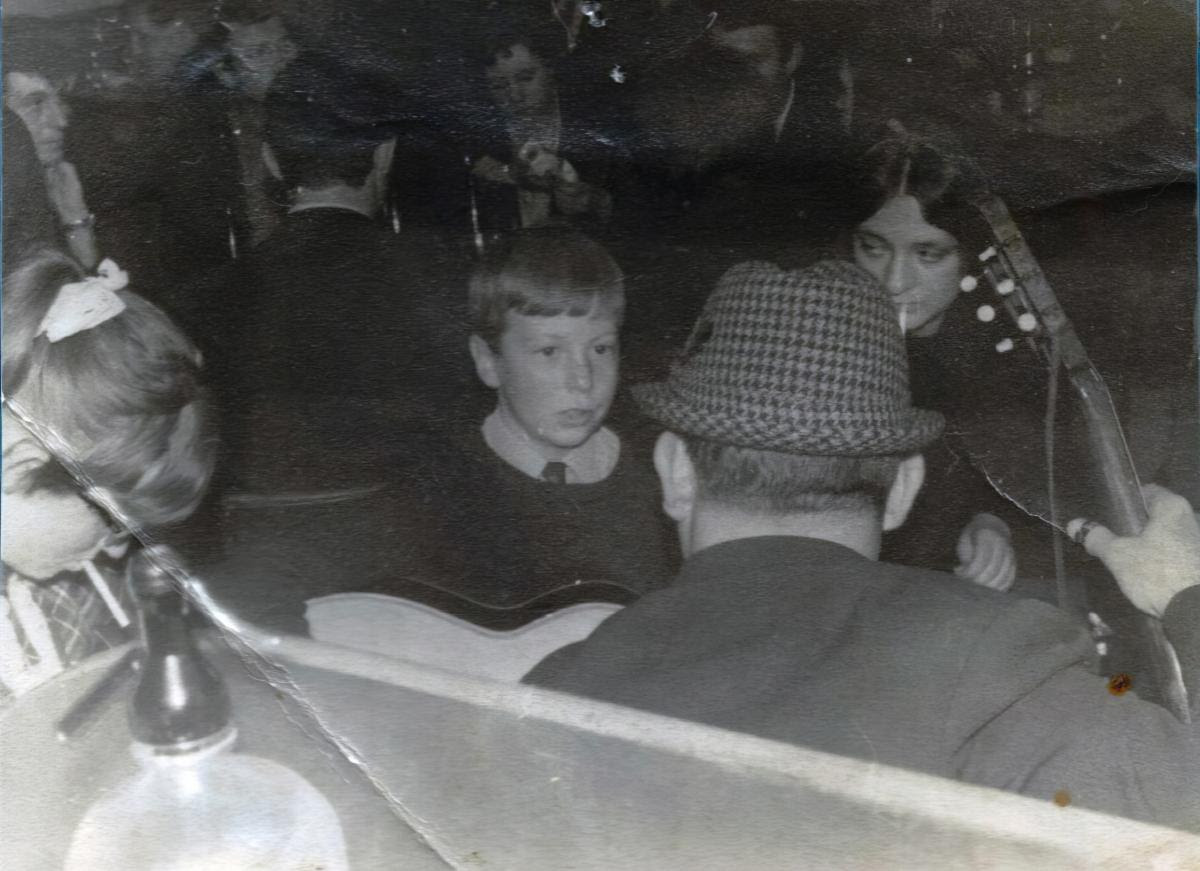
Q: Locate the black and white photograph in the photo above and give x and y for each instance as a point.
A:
(599, 434)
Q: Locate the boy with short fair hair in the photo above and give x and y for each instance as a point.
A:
(545, 317)
(543, 495)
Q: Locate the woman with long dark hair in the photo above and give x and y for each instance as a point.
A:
(913, 225)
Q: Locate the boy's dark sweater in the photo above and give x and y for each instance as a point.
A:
(488, 534)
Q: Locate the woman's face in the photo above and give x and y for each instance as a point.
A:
(38, 104)
(916, 262)
(520, 83)
(45, 531)
(259, 52)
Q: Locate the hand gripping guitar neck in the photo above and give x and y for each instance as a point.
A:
(1026, 295)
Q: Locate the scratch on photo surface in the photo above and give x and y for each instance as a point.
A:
(867, 738)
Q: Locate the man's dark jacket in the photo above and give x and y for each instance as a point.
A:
(808, 642)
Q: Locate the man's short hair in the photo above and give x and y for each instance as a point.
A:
(505, 29)
(544, 272)
(777, 483)
(786, 18)
(197, 14)
(249, 11)
(324, 120)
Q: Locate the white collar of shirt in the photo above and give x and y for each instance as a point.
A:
(592, 461)
(310, 200)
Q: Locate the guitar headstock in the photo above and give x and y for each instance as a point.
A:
(1022, 291)
(998, 292)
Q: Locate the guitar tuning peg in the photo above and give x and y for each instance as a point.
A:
(968, 283)
(1004, 346)
(1005, 286)
(1027, 322)
(985, 313)
(987, 254)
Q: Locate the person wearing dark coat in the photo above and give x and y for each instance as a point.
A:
(29, 219)
(45, 201)
(533, 143)
(327, 346)
(543, 501)
(156, 154)
(791, 444)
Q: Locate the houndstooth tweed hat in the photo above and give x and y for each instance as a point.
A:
(810, 361)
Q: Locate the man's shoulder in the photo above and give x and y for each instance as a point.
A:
(977, 609)
(986, 648)
(916, 619)
(311, 248)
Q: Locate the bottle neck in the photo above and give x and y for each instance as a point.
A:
(165, 624)
(184, 754)
(180, 705)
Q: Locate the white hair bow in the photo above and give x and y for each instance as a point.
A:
(82, 305)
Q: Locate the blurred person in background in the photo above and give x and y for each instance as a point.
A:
(44, 200)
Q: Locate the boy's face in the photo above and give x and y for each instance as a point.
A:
(555, 376)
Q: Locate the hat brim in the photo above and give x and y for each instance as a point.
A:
(903, 432)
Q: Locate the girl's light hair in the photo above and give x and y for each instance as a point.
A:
(123, 401)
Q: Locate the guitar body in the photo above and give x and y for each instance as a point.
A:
(434, 626)
(416, 632)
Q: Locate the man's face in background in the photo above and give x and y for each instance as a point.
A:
(724, 96)
(520, 84)
(158, 42)
(258, 51)
(38, 104)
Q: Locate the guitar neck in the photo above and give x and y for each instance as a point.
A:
(1124, 510)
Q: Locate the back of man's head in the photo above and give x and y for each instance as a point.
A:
(792, 395)
(324, 120)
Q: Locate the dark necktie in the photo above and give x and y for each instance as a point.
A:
(555, 473)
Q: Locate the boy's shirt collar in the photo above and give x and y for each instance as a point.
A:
(589, 463)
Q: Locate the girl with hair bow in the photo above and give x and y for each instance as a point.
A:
(106, 430)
